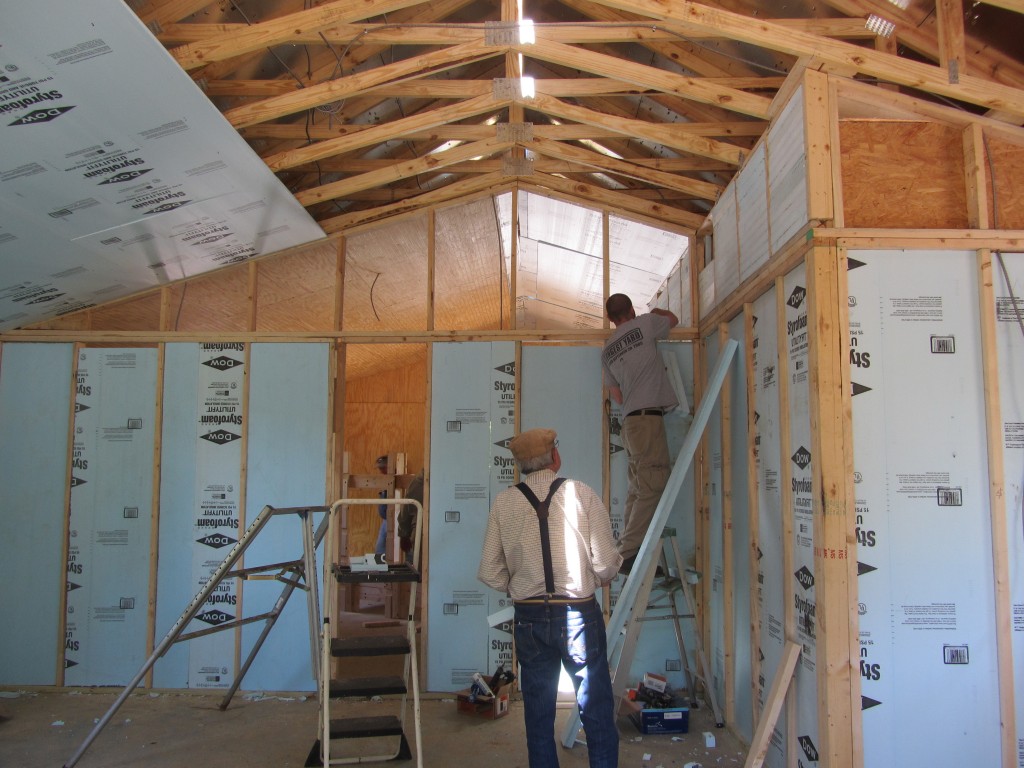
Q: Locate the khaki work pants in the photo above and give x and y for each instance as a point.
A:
(647, 448)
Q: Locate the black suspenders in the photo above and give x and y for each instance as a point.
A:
(542, 518)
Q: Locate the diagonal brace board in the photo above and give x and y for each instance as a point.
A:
(627, 597)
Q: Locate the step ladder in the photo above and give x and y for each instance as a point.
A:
(657, 600)
(646, 561)
(300, 573)
(379, 738)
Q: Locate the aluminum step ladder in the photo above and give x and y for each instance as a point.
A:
(663, 606)
(300, 573)
(378, 738)
(646, 560)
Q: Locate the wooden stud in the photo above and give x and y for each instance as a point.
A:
(890, 46)
(976, 177)
(818, 119)
(728, 570)
(703, 542)
(252, 293)
(952, 54)
(424, 552)
(997, 506)
(835, 576)
(431, 262)
(154, 533)
(62, 619)
(243, 476)
(753, 511)
(776, 697)
(785, 476)
(838, 215)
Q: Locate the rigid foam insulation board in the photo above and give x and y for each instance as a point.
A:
(200, 518)
(752, 208)
(108, 569)
(286, 465)
(166, 190)
(926, 595)
(706, 290)
(726, 263)
(795, 347)
(713, 538)
(1009, 309)
(787, 172)
(35, 392)
(740, 529)
(771, 577)
(472, 419)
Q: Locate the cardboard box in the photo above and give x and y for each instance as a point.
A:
(674, 719)
(487, 707)
(654, 682)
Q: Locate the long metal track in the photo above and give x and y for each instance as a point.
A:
(644, 557)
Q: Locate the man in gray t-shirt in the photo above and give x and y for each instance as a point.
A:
(637, 380)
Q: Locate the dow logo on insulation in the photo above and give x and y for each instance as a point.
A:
(215, 618)
(41, 116)
(217, 540)
(809, 749)
(222, 363)
(802, 458)
(805, 577)
(221, 437)
(796, 298)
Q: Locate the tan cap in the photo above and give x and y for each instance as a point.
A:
(532, 443)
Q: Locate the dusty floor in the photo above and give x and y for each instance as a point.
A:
(166, 730)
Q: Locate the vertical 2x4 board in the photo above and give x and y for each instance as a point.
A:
(34, 419)
(928, 661)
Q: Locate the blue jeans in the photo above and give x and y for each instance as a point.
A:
(548, 637)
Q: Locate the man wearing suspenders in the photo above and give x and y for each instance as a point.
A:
(549, 546)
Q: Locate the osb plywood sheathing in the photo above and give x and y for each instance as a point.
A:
(902, 175)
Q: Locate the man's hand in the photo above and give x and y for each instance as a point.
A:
(666, 313)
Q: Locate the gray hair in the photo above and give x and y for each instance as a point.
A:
(529, 466)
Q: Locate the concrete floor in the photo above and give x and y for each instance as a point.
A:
(170, 730)
(44, 728)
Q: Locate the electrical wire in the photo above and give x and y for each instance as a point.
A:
(372, 306)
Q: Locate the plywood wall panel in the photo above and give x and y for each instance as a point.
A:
(141, 314)
(297, 292)
(219, 302)
(1006, 178)
(899, 174)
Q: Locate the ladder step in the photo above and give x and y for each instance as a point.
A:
(367, 686)
(396, 572)
(366, 727)
(370, 645)
(314, 761)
